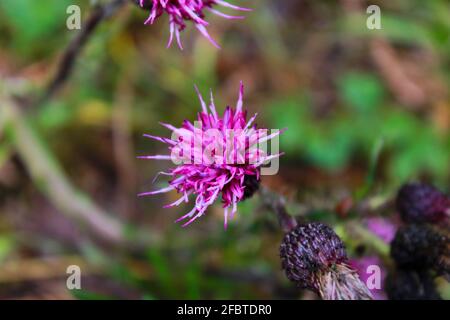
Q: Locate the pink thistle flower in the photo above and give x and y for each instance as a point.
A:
(216, 157)
(180, 11)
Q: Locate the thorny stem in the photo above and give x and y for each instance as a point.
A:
(277, 204)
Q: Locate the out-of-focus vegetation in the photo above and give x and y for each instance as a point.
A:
(366, 110)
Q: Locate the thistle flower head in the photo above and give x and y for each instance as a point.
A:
(216, 157)
(422, 247)
(419, 203)
(314, 257)
(182, 11)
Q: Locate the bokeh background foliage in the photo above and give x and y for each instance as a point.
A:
(366, 110)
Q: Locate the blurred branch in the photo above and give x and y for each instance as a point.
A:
(52, 181)
(50, 178)
(123, 148)
(396, 75)
(70, 55)
(40, 268)
(43, 167)
(277, 204)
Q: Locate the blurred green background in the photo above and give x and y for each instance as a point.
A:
(366, 110)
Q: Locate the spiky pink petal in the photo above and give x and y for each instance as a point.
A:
(181, 11)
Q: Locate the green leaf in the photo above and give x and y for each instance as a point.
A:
(88, 295)
(6, 246)
(361, 91)
(370, 178)
(31, 22)
(330, 150)
(290, 113)
(423, 154)
(5, 153)
(193, 280)
(54, 115)
(161, 267)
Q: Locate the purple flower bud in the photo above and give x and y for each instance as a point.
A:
(422, 247)
(314, 257)
(418, 203)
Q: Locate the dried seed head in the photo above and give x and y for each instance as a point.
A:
(422, 247)
(419, 203)
(309, 249)
(313, 257)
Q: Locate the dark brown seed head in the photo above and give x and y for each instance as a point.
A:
(422, 247)
(309, 250)
(419, 203)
